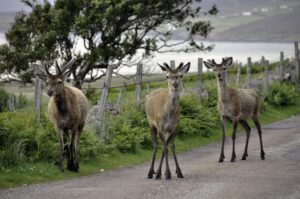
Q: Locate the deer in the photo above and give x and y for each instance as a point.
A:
(236, 105)
(163, 113)
(67, 109)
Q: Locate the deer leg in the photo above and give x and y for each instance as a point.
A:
(158, 172)
(257, 124)
(178, 170)
(72, 151)
(168, 172)
(247, 129)
(76, 149)
(233, 156)
(60, 136)
(222, 156)
(154, 142)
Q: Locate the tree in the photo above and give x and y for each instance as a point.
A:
(111, 32)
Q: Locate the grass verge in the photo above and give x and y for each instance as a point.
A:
(44, 172)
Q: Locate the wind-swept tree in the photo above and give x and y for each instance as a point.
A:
(100, 33)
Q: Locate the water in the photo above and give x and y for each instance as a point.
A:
(238, 50)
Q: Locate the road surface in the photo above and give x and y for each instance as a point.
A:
(276, 177)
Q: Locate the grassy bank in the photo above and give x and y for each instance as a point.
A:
(29, 173)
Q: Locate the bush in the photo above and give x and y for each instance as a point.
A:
(196, 119)
(39, 142)
(4, 97)
(11, 154)
(129, 130)
(281, 94)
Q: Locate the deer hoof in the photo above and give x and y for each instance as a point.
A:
(179, 175)
(168, 175)
(150, 174)
(244, 157)
(158, 175)
(262, 155)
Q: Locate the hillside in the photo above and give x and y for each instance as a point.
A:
(281, 28)
(238, 20)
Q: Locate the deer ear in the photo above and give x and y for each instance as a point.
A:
(162, 67)
(227, 62)
(185, 68)
(208, 65)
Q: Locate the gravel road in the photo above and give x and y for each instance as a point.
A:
(276, 177)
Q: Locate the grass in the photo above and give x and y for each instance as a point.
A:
(45, 172)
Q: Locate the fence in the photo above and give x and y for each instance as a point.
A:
(286, 65)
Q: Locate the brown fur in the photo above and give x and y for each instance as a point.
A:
(162, 109)
(67, 110)
(237, 105)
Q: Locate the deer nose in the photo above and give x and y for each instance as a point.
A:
(50, 93)
(175, 85)
(219, 75)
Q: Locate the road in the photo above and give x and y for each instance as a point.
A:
(276, 177)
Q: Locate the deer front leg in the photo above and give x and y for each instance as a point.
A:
(60, 137)
(222, 156)
(233, 156)
(154, 142)
(158, 172)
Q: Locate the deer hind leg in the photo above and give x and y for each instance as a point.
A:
(154, 142)
(72, 154)
(171, 141)
(257, 124)
(60, 136)
(163, 153)
(233, 156)
(76, 149)
(248, 130)
(222, 156)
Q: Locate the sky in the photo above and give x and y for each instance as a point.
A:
(14, 5)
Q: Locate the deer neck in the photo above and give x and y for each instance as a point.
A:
(223, 91)
(61, 102)
(173, 101)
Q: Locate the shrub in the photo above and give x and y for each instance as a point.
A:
(4, 97)
(196, 119)
(11, 154)
(281, 94)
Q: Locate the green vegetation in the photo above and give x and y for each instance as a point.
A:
(28, 152)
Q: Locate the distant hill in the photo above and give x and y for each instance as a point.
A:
(269, 20)
(281, 28)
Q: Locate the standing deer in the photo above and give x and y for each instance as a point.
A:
(67, 110)
(162, 109)
(237, 105)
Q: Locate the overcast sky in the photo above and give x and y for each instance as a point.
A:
(13, 5)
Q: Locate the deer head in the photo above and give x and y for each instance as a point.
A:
(174, 76)
(54, 82)
(219, 69)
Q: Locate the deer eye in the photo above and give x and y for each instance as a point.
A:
(167, 77)
(59, 82)
(181, 76)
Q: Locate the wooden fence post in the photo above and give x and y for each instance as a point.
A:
(104, 95)
(238, 74)
(248, 78)
(38, 98)
(281, 66)
(200, 80)
(297, 62)
(138, 87)
(266, 75)
(172, 64)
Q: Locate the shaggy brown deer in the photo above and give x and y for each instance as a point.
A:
(237, 105)
(162, 109)
(67, 110)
